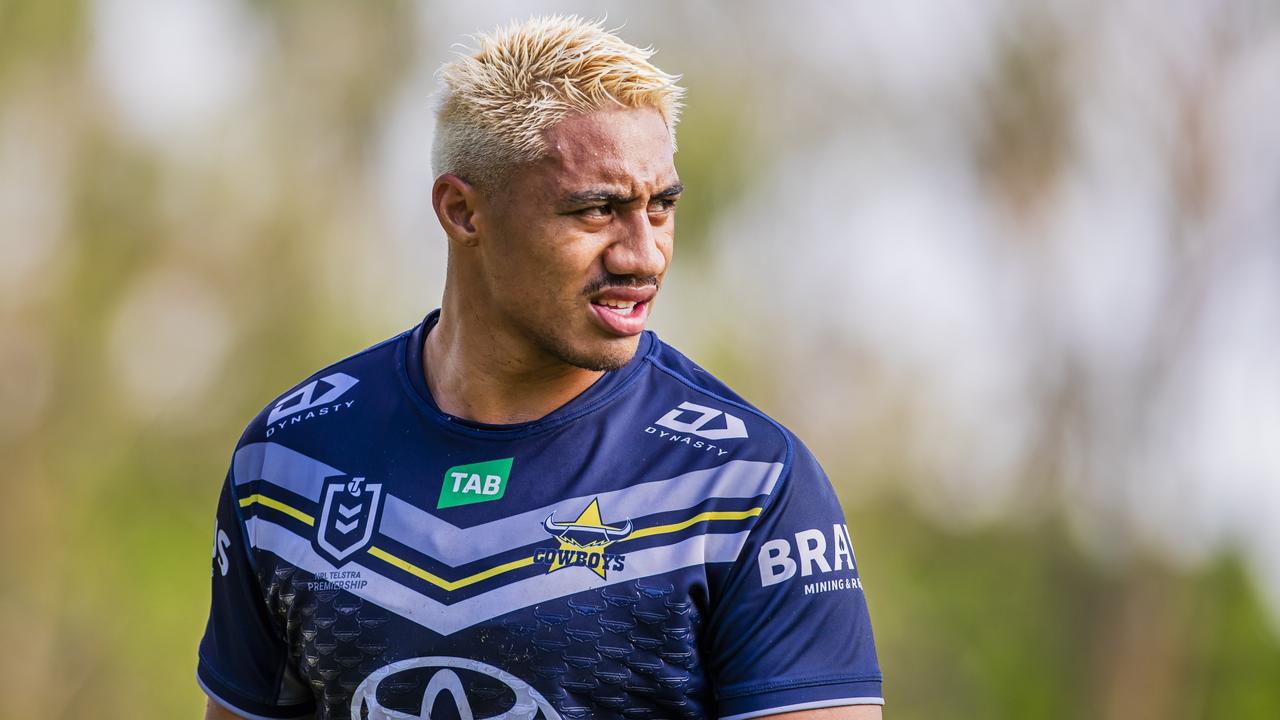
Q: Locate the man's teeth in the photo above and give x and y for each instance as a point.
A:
(618, 305)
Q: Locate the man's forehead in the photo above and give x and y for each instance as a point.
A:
(619, 148)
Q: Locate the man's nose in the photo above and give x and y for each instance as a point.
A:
(637, 250)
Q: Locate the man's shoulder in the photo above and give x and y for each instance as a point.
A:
(684, 370)
(364, 377)
(691, 404)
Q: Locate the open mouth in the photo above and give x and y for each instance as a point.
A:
(623, 312)
(622, 308)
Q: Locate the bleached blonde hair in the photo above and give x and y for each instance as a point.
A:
(522, 79)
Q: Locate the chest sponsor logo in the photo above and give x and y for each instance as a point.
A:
(811, 554)
(698, 427)
(451, 678)
(475, 483)
(318, 398)
(582, 543)
(348, 517)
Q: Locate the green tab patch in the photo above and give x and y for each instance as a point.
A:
(475, 483)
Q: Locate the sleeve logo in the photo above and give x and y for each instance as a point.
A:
(777, 564)
(220, 544)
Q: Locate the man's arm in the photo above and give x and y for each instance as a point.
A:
(214, 711)
(243, 662)
(790, 635)
(846, 712)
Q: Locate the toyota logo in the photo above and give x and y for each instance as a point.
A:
(527, 706)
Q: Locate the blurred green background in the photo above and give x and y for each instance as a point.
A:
(1012, 269)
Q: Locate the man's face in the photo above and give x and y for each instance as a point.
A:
(577, 244)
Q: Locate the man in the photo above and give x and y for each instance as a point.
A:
(527, 506)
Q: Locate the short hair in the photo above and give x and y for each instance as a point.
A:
(522, 79)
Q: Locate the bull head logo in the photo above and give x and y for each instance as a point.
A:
(587, 529)
(583, 541)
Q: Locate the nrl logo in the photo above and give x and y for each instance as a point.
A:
(348, 518)
(582, 543)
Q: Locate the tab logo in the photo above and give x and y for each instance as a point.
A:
(733, 426)
(475, 483)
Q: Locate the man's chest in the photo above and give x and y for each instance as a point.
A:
(624, 649)
(497, 580)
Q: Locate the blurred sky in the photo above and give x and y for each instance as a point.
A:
(1012, 260)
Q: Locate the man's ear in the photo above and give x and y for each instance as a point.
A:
(456, 201)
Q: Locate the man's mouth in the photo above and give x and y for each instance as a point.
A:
(623, 311)
(624, 308)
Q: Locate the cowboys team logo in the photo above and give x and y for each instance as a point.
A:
(348, 518)
(582, 543)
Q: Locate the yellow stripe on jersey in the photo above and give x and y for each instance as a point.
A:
(700, 517)
(451, 585)
(440, 582)
(277, 505)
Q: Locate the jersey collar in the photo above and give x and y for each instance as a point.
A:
(603, 390)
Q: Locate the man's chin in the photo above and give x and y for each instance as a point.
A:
(599, 356)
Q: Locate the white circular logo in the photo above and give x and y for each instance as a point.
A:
(527, 705)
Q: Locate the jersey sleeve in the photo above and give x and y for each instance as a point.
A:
(243, 658)
(790, 630)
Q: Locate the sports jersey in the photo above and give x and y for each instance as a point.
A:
(655, 548)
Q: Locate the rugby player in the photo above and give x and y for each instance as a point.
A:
(528, 506)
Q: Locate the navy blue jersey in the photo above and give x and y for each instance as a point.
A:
(656, 548)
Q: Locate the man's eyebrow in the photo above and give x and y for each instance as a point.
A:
(671, 191)
(601, 195)
(586, 197)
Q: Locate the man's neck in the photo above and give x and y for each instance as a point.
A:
(492, 382)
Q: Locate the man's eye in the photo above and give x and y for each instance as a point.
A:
(663, 205)
(596, 211)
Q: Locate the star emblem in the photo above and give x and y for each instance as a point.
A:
(583, 540)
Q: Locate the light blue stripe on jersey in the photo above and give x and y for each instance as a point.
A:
(436, 538)
(450, 618)
(245, 714)
(816, 705)
(446, 542)
(281, 467)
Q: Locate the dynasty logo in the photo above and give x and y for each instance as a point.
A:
(289, 410)
(583, 541)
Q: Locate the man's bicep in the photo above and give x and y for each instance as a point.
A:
(845, 712)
